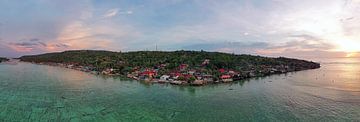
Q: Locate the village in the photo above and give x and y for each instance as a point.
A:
(178, 68)
(184, 74)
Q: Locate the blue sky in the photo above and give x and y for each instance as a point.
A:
(294, 28)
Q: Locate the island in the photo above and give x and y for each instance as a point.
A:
(2, 59)
(175, 67)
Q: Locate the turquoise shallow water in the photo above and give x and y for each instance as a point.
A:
(46, 93)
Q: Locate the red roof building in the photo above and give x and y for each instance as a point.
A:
(183, 66)
(225, 77)
(149, 73)
(175, 74)
(221, 70)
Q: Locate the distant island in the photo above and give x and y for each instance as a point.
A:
(177, 67)
(2, 59)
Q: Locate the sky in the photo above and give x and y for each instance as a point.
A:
(292, 28)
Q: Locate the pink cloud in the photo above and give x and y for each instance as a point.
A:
(21, 48)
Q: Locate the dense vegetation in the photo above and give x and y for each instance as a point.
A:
(3, 59)
(126, 61)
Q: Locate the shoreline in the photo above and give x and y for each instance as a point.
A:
(157, 80)
(194, 68)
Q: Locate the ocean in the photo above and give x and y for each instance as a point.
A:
(30, 92)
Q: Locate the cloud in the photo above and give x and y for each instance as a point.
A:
(85, 33)
(78, 35)
(128, 12)
(87, 29)
(111, 13)
(266, 27)
(26, 45)
(301, 47)
(114, 12)
(214, 46)
(307, 42)
(297, 45)
(284, 26)
(34, 40)
(34, 44)
(6, 51)
(230, 47)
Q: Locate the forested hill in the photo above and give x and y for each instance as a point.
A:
(144, 59)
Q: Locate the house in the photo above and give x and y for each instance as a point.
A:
(222, 70)
(191, 72)
(70, 66)
(129, 75)
(148, 73)
(107, 71)
(208, 78)
(175, 75)
(226, 78)
(164, 78)
(183, 67)
(162, 65)
(205, 62)
(231, 72)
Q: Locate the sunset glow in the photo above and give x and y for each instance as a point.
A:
(350, 55)
(180, 60)
(270, 28)
(350, 46)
